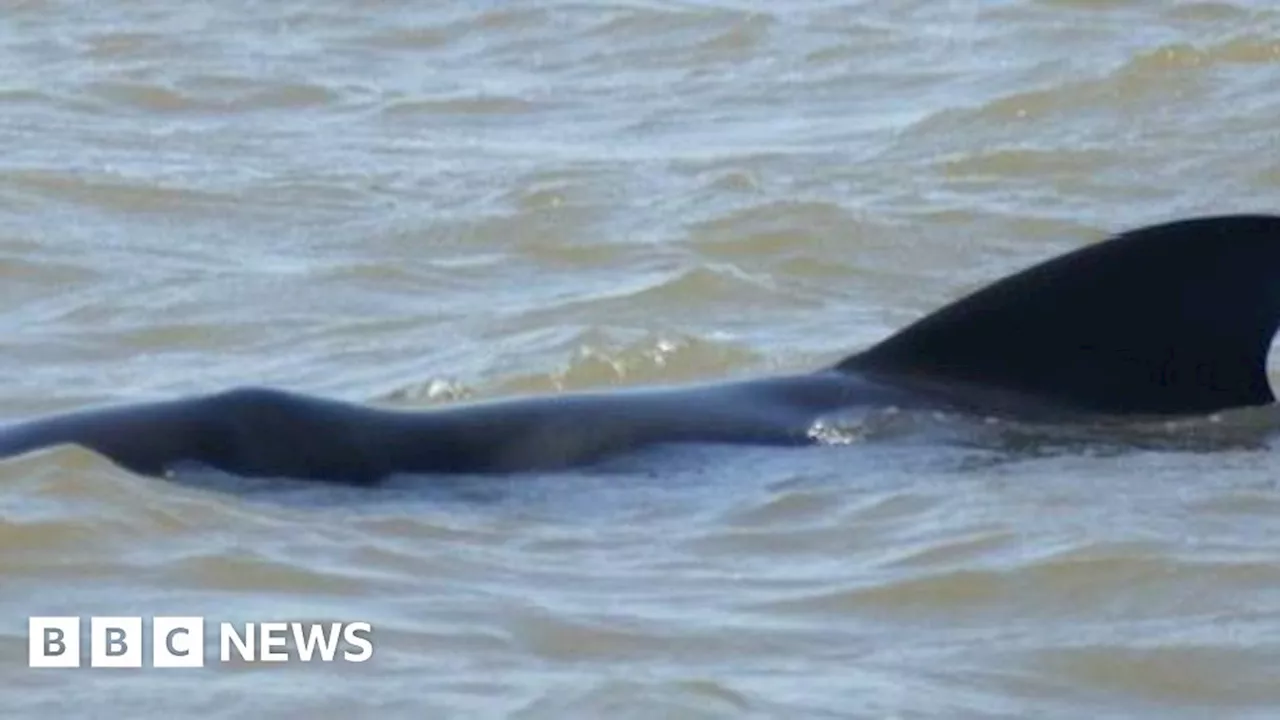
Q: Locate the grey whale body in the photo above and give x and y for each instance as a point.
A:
(255, 431)
(1172, 319)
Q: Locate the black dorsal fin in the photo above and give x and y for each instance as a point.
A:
(1176, 318)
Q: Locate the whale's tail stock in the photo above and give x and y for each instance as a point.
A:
(1174, 318)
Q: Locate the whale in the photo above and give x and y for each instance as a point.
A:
(1164, 320)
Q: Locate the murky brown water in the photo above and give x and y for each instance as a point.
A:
(392, 203)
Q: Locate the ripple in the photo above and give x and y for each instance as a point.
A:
(213, 94)
(503, 106)
(112, 192)
(632, 698)
(1201, 676)
(649, 360)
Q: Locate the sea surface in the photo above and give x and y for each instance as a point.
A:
(412, 204)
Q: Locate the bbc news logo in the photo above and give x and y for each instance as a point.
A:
(179, 642)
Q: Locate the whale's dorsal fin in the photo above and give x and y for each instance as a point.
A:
(1176, 318)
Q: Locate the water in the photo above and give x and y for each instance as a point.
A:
(407, 204)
